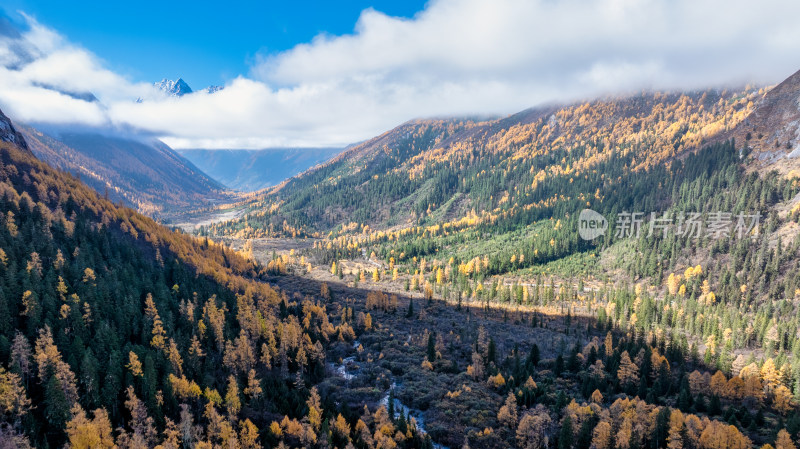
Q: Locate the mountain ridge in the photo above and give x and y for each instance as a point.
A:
(413, 159)
(144, 173)
(772, 131)
(8, 133)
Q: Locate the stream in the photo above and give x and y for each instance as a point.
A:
(347, 371)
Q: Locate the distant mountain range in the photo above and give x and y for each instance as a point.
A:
(145, 173)
(142, 172)
(250, 170)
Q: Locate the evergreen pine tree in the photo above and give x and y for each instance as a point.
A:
(565, 435)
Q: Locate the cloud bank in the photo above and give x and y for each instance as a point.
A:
(457, 57)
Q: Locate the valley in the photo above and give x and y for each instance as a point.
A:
(265, 263)
(518, 256)
(253, 170)
(136, 170)
(467, 311)
(191, 221)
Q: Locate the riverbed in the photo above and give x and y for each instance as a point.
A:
(348, 369)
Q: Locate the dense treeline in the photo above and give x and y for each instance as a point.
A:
(745, 284)
(107, 314)
(118, 332)
(537, 380)
(486, 209)
(428, 170)
(345, 184)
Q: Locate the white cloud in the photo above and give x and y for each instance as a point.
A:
(455, 57)
(28, 103)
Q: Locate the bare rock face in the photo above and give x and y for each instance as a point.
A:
(772, 131)
(9, 134)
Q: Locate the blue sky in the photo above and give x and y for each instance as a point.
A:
(315, 74)
(206, 43)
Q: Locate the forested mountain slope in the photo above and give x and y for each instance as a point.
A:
(488, 212)
(429, 171)
(109, 320)
(145, 174)
(116, 332)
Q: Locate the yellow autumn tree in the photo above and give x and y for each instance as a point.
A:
(608, 344)
(675, 435)
(14, 400)
(719, 384)
(628, 372)
(601, 436)
(770, 375)
(673, 283)
(497, 381)
(623, 437)
(719, 435)
(784, 440)
(534, 426)
(508, 412)
(248, 435)
(85, 433)
(158, 331)
(341, 427)
(782, 400)
(314, 404)
(232, 401)
(253, 389)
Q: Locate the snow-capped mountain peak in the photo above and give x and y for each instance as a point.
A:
(177, 88)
